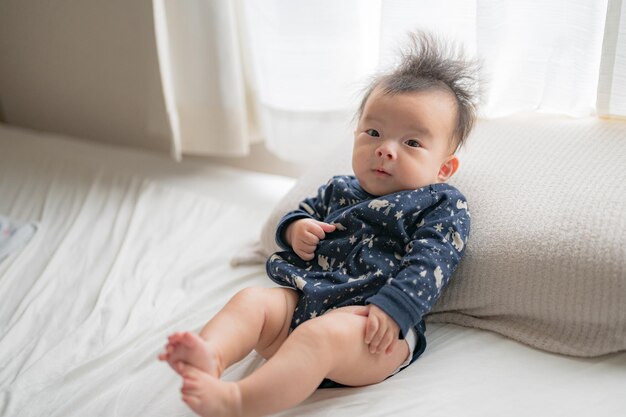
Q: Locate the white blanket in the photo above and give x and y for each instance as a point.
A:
(14, 235)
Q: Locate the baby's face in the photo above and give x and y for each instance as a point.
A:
(402, 141)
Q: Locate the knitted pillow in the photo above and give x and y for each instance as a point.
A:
(546, 260)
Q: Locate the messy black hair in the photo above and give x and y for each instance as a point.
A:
(430, 63)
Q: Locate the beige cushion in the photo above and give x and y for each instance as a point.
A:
(546, 260)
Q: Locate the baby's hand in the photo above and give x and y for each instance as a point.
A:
(381, 330)
(303, 235)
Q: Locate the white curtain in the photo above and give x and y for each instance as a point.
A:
(308, 58)
(298, 67)
(538, 55)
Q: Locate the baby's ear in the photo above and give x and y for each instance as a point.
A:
(448, 168)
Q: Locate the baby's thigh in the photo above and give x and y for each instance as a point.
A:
(352, 362)
(277, 306)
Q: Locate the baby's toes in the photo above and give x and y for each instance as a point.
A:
(188, 371)
(191, 340)
(175, 364)
(192, 402)
(167, 352)
(175, 338)
(190, 385)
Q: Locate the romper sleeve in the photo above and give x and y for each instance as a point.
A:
(316, 208)
(431, 256)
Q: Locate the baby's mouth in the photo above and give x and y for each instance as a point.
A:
(381, 172)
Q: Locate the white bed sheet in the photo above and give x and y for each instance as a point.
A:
(132, 247)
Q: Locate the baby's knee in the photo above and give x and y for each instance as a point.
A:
(249, 295)
(266, 297)
(332, 330)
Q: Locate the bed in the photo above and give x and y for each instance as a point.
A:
(129, 246)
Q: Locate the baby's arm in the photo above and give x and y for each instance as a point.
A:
(303, 235)
(431, 257)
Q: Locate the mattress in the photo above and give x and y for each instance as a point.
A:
(130, 247)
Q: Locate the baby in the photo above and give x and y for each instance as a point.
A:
(364, 261)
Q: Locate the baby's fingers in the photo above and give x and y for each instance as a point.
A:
(320, 229)
(371, 328)
(376, 345)
(382, 341)
(305, 249)
(316, 231)
(305, 254)
(310, 239)
(386, 345)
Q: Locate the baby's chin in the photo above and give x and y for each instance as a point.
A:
(381, 189)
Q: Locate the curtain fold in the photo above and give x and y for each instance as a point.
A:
(612, 83)
(203, 76)
(297, 68)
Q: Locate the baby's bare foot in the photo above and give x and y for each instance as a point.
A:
(191, 349)
(208, 396)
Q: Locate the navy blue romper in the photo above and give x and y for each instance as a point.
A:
(396, 251)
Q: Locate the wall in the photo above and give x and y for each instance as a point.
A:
(89, 68)
(86, 68)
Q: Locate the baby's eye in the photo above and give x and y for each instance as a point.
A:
(413, 143)
(373, 132)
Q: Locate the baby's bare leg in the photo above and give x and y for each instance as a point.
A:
(255, 318)
(331, 346)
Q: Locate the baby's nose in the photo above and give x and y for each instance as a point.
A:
(386, 151)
